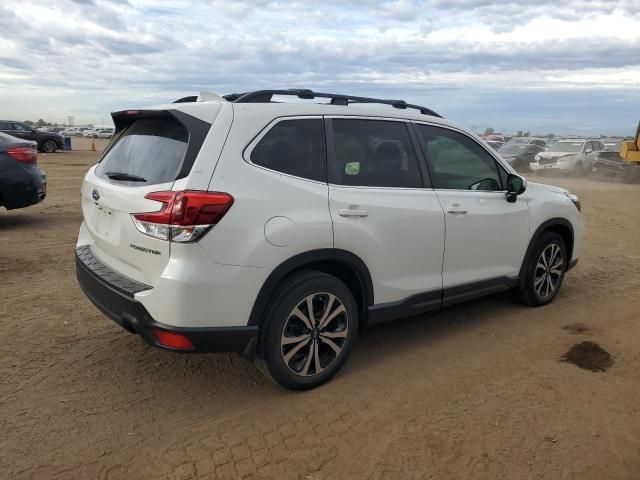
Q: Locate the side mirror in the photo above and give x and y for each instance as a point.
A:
(588, 150)
(516, 185)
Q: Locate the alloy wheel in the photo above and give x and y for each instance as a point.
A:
(314, 334)
(548, 270)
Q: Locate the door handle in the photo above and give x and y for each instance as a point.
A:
(456, 209)
(352, 212)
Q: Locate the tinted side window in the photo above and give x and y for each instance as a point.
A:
(374, 153)
(5, 126)
(21, 128)
(295, 147)
(458, 162)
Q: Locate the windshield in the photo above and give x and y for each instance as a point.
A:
(513, 148)
(566, 147)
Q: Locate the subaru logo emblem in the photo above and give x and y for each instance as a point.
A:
(95, 194)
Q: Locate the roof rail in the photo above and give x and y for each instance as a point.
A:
(265, 96)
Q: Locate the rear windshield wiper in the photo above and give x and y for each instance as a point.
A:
(127, 177)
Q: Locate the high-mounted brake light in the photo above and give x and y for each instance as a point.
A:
(184, 216)
(23, 154)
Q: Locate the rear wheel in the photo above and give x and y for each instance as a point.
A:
(308, 330)
(544, 271)
(49, 146)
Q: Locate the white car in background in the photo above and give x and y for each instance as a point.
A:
(237, 224)
(573, 156)
(105, 133)
(73, 131)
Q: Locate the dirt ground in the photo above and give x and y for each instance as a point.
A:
(480, 391)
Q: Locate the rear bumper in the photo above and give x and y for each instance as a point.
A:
(114, 295)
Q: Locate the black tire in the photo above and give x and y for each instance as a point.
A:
(49, 146)
(529, 290)
(300, 371)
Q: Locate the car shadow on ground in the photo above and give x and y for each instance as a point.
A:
(231, 375)
(17, 220)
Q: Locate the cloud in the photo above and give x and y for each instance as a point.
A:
(88, 58)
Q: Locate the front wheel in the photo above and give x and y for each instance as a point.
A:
(49, 146)
(544, 271)
(308, 330)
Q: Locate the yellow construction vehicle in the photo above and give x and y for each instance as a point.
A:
(630, 150)
(625, 164)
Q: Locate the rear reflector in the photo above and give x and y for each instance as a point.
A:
(184, 216)
(172, 340)
(23, 154)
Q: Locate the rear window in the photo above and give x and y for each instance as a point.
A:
(149, 151)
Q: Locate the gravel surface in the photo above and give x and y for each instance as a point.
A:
(478, 391)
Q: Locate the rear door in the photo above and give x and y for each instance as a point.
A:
(149, 152)
(383, 209)
(486, 236)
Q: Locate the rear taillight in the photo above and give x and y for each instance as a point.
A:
(185, 216)
(23, 154)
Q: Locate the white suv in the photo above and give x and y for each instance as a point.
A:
(568, 156)
(241, 224)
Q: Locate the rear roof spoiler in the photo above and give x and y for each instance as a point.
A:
(203, 97)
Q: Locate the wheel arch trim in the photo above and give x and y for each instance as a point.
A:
(344, 258)
(545, 226)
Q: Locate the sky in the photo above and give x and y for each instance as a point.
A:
(563, 66)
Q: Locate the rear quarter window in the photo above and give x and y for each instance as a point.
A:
(294, 147)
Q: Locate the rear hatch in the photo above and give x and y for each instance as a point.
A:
(149, 151)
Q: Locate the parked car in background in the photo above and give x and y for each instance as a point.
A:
(177, 246)
(519, 154)
(612, 144)
(527, 141)
(573, 156)
(47, 142)
(90, 132)
(73, 131)
(497, 137)
(105, 133)
(494, 144)
(22, 183)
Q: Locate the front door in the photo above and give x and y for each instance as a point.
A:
(486, 236)
(21, 130)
